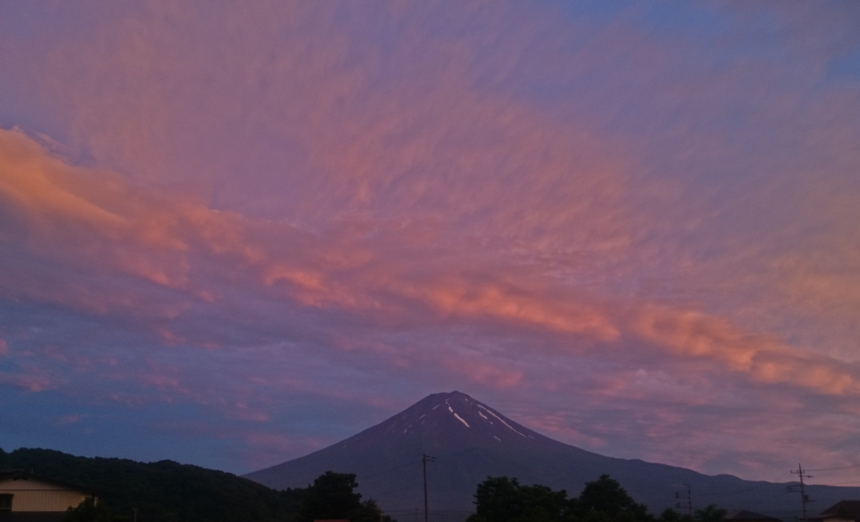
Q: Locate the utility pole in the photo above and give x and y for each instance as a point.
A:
(804, 498)
(685, 499)
(424, 460)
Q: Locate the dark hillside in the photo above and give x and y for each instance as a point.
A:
(162, 491)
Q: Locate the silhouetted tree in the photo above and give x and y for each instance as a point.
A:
(332, 497)
(712, 513)
(503, 499)
(605, 500)
(670, 515)
(500, 499)
(88, 511)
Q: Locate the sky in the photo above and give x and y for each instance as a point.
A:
(233, 233)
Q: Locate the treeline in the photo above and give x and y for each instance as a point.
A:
(503, 499)
(164, 491)
(167, 491)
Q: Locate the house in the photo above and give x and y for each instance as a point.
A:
(29, 497)
(844, 511)
(742, 515)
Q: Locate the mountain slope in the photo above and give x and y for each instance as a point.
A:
(470, 441)
(164, 491)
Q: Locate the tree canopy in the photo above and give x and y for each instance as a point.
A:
(89, 511)
(332, 496)
(503, 499)
(605, 500)
(712, 513)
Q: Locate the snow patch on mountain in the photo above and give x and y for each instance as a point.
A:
(500, 420)
(461, 420)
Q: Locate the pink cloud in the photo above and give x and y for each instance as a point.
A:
(762, 358)
(375, 196)
(484, 371)
(128, 237)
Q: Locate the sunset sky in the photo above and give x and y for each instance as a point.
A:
(232, 233)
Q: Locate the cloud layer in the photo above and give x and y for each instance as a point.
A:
(247, 233)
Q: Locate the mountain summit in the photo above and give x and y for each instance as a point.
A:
(437, 417)
(446, 422)
(469, 440)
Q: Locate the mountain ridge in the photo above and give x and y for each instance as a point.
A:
(165, 490)
(470, 440)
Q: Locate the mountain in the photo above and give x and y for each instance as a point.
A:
(469, 441)
(163, 491)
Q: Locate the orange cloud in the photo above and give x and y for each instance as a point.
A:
(161, 239)
(165, 240)
(518, 305)
(763, 358)
(34, 182)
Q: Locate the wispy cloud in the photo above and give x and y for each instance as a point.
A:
(649, 209)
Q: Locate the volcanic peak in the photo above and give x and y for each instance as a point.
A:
(452, 415)
(471, 441)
